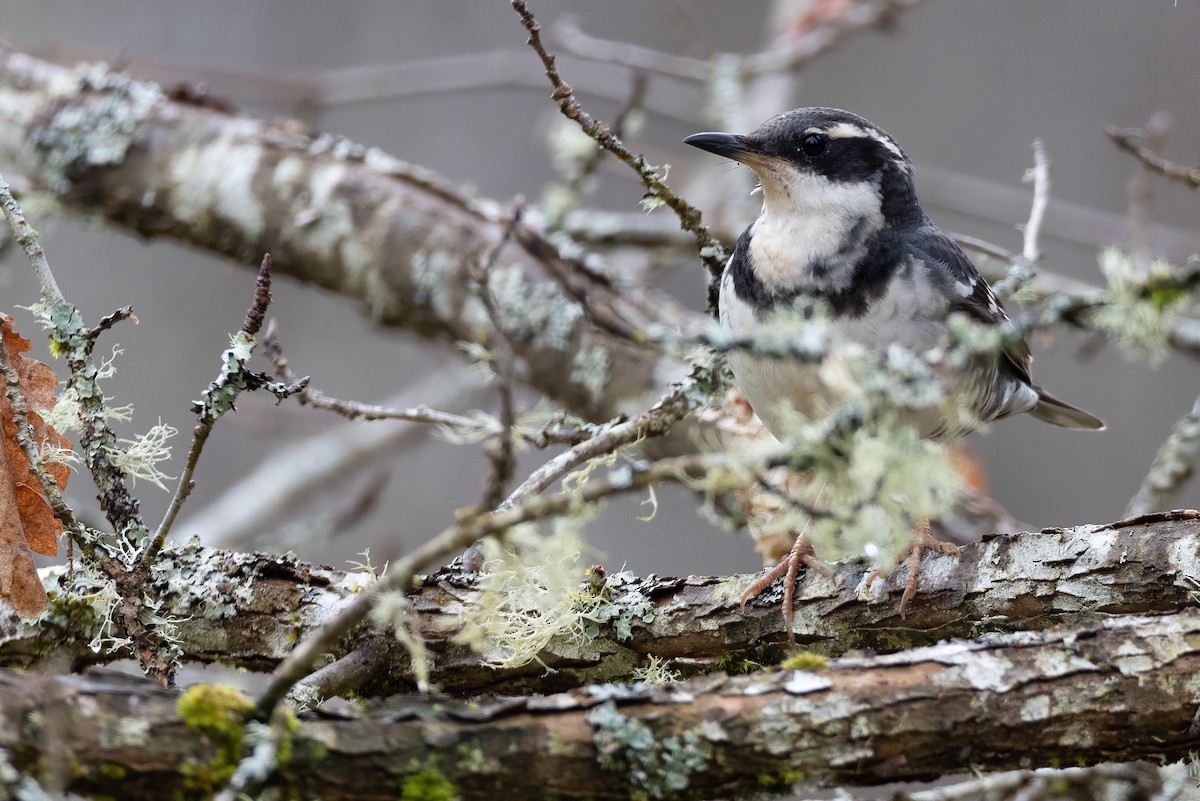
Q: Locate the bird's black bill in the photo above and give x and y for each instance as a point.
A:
(731, 146)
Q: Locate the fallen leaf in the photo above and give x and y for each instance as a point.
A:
(27, 523)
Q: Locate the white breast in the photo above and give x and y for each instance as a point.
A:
(778, 387)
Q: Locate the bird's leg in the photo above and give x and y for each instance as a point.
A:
(922, 542)
(801, 554)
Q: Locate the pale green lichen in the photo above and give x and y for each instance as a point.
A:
(570, 148)
(84, 608)
(125, 732)
(95, 130)
(872, 473)
(141, 456)
(619, 602)
(655, 767)
(776, 731)
(433, 273)
(533, 311)
(1139, 309)
(527, 587)
(656, 671)
(590, 369)
(16, 786)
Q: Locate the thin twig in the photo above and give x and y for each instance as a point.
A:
(1021, 270)
(788, 58)
(1040, 175)
(1038, 782)
(1140, 191)
(644, 59)
(983, 246)
(656, 421)
(107, 322)
(218, 399)
(501, 453)
(1130, 139)
(345, 674)
(578, 185)
(1171, 468)
(559, 434)
(712, 253)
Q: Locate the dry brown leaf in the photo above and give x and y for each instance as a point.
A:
(27, 523)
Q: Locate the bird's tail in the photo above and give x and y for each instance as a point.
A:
(1051, 410)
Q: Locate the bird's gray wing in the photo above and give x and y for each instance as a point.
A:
(966, 291)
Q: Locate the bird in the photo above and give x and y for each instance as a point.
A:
(841, 224)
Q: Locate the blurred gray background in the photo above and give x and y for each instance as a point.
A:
(964, 85)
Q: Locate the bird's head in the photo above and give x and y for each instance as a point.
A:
(822, 160)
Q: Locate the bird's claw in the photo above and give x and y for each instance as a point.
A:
(922, 542)
(801, 555)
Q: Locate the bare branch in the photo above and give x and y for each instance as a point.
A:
(859, 720)
(712, 253)
(107, 322)
(1131, 140)
(1172, 466)
(1041, 198)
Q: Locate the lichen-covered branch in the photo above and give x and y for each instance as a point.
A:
(249, 610)
(1124, 688)
(1172, 465)
(343, 216)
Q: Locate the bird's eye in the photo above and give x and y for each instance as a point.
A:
(813, 145)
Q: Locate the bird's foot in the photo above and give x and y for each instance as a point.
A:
(922, 542)
(801, 555)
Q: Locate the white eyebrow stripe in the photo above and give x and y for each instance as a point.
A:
(845, 130)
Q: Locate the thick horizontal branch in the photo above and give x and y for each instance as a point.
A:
(248, 610)
(1119, 689)
(346, 217)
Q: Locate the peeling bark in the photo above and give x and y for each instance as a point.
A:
(349, 218)
(248, 610)
(1123, 688)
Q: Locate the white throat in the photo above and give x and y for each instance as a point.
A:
(808, 220)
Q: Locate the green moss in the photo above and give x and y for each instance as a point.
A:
(288, 726)
(804, 660)
(557, 746)
(780, 782)
(424, 782)
(219, 713)
(112, 770)
(736, 664)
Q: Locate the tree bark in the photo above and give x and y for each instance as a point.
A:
(248, 610)
(349, 218)
(1123, 688)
